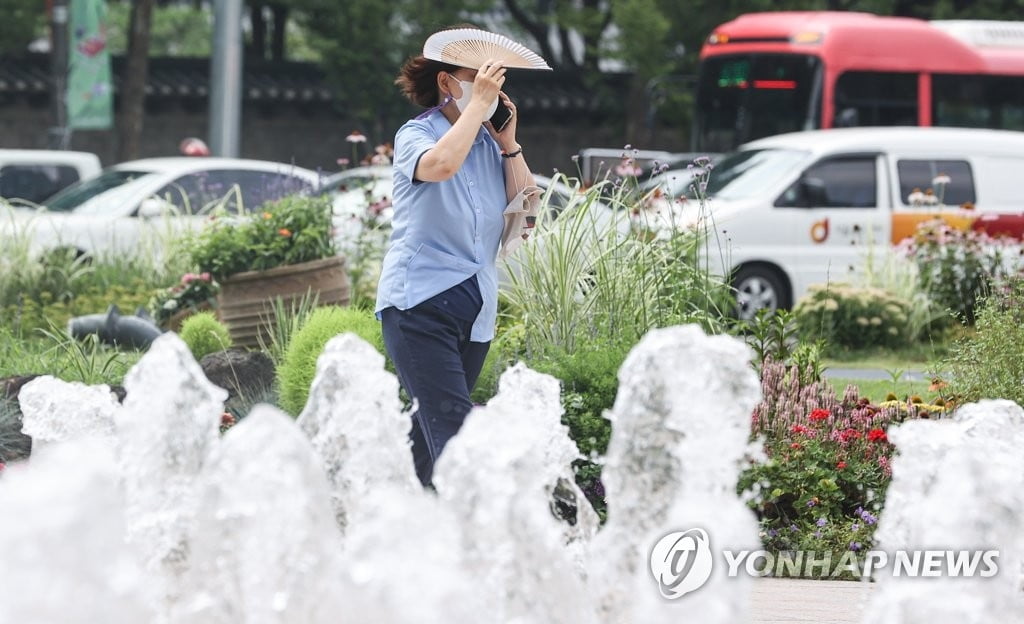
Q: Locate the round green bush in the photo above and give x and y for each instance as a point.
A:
(853, 317)
(297, 369)
(204, 334)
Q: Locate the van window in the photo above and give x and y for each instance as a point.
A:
(919, 174)
(849, 182)
(35, 183)
(875, 99)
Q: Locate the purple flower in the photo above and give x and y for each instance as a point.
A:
(811, 503)
(855, 527)
(854, 546)
(817, 534)
(793, 528)
(866, 516)
(773, 533)
(821, 521)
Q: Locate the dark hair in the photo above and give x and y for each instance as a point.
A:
(418, 77)
(418, 80)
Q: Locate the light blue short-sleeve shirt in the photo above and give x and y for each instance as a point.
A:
(444, 232)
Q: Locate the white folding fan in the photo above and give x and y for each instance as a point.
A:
(469, 47)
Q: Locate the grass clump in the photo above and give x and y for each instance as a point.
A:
(296, 371)
(204, 334)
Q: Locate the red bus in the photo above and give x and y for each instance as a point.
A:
(768, 73)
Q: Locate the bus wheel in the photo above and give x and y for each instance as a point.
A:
(759, 287)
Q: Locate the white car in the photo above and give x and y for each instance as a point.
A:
(135, 206)
(29, 176)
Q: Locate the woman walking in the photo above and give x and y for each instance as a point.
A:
(455, 174)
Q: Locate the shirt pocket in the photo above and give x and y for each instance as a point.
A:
(431, 271)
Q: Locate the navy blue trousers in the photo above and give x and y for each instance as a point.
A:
(438, 367)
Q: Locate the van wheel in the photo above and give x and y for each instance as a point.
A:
(759, 288)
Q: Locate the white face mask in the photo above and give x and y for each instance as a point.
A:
(467, 93)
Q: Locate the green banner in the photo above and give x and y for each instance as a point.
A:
(90, 89)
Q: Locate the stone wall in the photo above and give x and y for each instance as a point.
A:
(312, 137)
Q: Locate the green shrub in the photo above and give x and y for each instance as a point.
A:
(990, 363)
(295, 373)
(958, 266)
(291, 230)
(590, 381)
(507, 348)
(204, 334)
(853, 317)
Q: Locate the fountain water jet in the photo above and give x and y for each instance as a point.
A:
(54, 410)
(680, 431)
(355, 421)
(266, 546)
(957, 485)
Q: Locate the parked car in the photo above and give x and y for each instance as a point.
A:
(804, 208)
(31, 176)
(117, 210)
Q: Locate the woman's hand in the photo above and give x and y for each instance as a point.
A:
(507, 137)
(486, 86)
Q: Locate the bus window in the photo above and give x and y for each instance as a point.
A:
(978, 101)
(875, 99)
(918, 174)
(748, 96)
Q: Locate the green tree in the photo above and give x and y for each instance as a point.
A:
(23, 21)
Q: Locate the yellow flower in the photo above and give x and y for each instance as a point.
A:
(831, 305)
(267, 215)
(863, 322)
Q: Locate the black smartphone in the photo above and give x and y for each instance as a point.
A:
(502, 115)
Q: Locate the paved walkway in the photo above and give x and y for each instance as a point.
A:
(781, 601)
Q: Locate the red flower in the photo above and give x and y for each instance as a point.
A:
(819, 415)
(285, 232)
(841, 465)
(877, 435)
(795, 446)
(849, 434)
(2, 466)
(799, 430)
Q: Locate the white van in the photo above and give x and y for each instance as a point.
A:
(799, 209)
(33, 176)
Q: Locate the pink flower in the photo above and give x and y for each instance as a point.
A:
(205, 276)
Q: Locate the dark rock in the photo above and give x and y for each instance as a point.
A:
(240, 372)
(14, 445)
(10, 387)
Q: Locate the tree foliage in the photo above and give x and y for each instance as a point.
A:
(21, 22)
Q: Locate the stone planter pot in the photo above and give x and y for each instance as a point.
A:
(246, 300)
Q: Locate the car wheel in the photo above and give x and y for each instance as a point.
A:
(759, 288)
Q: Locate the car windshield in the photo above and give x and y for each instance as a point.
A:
(747, 173)
(77, 194)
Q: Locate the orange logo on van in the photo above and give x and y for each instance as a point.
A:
(819, 231)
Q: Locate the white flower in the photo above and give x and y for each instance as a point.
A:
(942, 179)
(356, 137)
(171, 304)
(916, 198)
